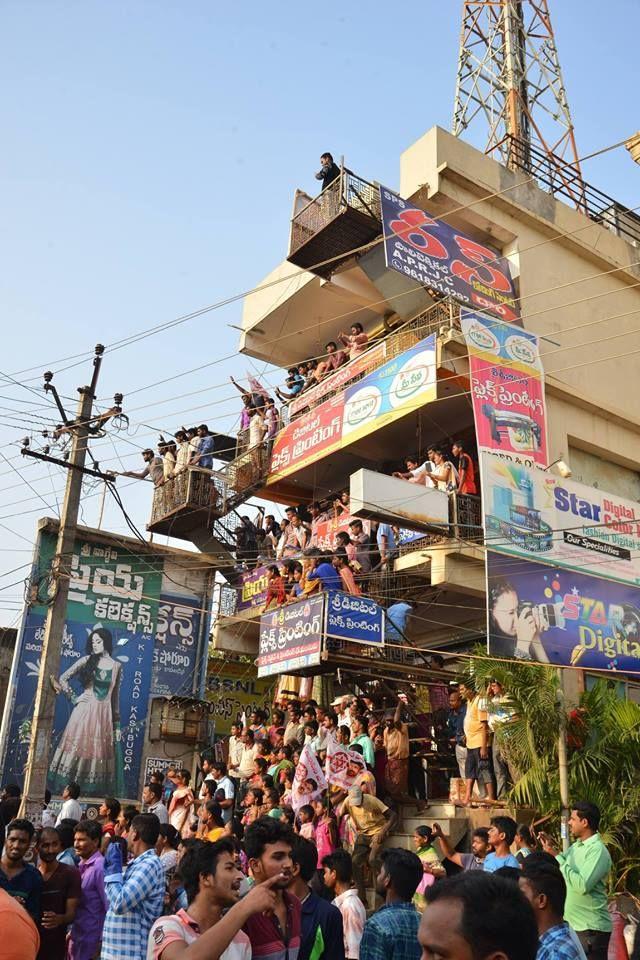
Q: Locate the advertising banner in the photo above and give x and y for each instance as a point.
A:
(534, 514)
(437, 255)
(553, 615)
(395, 389)
(252, 591)
(124, 637)
(360, 364)
(356, 619)
(291, 636)
(507, 389)
(234, 689)
(325, 532)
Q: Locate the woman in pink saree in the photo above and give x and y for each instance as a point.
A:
(86, 752)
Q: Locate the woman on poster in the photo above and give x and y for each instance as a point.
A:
(86, 752)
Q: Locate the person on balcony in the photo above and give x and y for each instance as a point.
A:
(416, 472)
(356, 342)
(168, 451)
(272, 424)
(154, 469)
(445, 475)
(362, 545)
(329, 170)
(335, 358)
(323, 571)
(466, 476)
(318, 516)
(341, 505)
(275, 588)
(294, 384)
(341, 563)
(184, 450)
(194, 445)
(204, 455)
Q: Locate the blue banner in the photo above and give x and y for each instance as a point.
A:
(175, 653)
(291, 636)
(356, 619)
(435, 254)
(552, 615)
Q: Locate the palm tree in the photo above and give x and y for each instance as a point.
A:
(603, 737)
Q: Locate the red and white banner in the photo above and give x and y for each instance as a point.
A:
(371, 358)
(308, 773)
(343, 766)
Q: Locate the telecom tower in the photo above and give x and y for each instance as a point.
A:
(510, 91)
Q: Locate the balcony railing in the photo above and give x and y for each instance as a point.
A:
(190, 500)
(465, 524)
(345, 216)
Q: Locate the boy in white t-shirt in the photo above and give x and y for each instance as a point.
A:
(212, 882)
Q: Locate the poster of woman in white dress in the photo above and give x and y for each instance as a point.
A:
(89, 750)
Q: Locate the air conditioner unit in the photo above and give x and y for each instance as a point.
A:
(186, 723)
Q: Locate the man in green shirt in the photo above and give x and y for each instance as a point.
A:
(585, 867)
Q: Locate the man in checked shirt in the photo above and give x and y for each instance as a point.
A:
(135, 897)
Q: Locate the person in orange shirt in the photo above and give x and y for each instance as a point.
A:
(464, 464)
(20, 938)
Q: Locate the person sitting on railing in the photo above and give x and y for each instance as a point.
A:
(356, 342)
(466, 475)
(341, 563)
(154, 469)
(294, 384)
(329, 170)
(275, 588)
(309, 366)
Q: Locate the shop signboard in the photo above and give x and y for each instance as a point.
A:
(435, 254)
(532, 513)
(507, 389)
(234, 689)
(559, 616)
(291, 636)
(252, 589)
(354, 619)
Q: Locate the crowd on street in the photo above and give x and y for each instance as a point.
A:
(284, 850)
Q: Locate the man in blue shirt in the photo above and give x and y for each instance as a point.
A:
(206, 448)
(392, 932)
(395, 621)
(386, 543)
(502, 832)
(543, 885)
(322, 935)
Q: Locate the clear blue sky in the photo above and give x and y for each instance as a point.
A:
(149, 157)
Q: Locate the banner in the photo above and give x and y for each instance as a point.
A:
(360, 364)
(234, 689)
(507, 389)
(531, 513)
(124, 639)
(343, 766)
(291, 636)
(325, 532)
(435, 254)
(252, 591)
(395, 389)
(309, 780)
(545, 613)
(355, 619)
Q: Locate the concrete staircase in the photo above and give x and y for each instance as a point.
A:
(453, 820)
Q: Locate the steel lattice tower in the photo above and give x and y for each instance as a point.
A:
(510, 91)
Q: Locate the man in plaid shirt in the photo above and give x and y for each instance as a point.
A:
(544, 887)
(135, 898)
(392, 932)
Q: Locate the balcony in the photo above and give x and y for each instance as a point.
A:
(327, 228)
(188, 503)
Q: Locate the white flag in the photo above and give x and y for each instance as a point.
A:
(343, 766)
(308, 773)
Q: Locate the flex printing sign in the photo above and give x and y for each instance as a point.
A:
(291, 636)
(437, 255)
(356, 619)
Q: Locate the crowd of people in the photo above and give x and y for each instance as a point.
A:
(195, 877)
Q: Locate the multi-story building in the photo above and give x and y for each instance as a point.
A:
(577, 281)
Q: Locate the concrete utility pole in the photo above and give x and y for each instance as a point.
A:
(37, 768)
(563, 769)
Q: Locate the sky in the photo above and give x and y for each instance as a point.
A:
(150, 152)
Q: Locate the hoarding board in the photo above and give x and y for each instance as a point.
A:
(252, 590)
(398, 387)
(325, 531)
(234, 689)
(507, 389)
(552, 615)
(124, 638)
(354, 619)
(531, 513)
(291, 636)
(435, 254)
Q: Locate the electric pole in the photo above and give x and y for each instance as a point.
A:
(81, 429)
